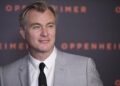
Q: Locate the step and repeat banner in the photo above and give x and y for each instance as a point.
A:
(85, 27)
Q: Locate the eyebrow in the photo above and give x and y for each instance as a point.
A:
(40, 24)
(51, 23)
(35, 24)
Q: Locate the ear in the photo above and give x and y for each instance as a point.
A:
(22, 32)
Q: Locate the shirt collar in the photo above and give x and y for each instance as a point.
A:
(48, 62)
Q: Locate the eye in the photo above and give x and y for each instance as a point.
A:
(36, 27)
(51, 26)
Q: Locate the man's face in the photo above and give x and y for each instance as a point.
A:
(40, 30)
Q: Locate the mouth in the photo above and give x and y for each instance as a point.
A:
(44, 41)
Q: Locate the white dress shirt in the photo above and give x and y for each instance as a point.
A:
(48, 70)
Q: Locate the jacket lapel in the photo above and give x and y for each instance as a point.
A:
(60, 71)
(59, 76)
(23, 73)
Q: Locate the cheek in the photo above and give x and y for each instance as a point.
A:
(53, 34)
(31, 36)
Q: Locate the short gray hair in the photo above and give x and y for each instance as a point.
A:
(40, 6)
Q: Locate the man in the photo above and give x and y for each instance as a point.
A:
(38, 28)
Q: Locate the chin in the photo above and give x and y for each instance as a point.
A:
(45, 49)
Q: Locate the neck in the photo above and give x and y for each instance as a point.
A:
(41, 55)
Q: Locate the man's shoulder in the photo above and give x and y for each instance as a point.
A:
(16, 64)
(74, 61)
(73, 57)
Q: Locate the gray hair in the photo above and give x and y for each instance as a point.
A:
(40, 6)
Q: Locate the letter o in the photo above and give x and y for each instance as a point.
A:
(117, 9)
(8, 8)
(64, 46)
(117, 83)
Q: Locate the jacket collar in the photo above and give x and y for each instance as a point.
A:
(23, 72)
(60, 70)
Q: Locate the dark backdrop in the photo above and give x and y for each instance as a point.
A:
(85, 27)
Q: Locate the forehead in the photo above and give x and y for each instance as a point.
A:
(37, 15)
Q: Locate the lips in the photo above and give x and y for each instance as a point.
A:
(43, 41)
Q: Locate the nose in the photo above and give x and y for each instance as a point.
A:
(44, 32)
